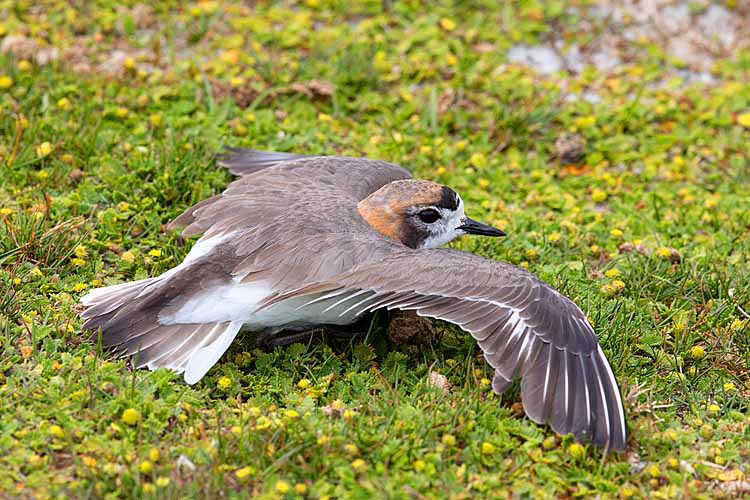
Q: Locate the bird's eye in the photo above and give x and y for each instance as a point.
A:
(429, 215)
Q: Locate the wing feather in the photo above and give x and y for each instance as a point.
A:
(525, 328)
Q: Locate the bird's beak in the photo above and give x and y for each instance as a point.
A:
(470, 226)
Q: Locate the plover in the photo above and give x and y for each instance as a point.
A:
(299, 241)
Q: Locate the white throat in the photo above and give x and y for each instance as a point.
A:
(449, 229)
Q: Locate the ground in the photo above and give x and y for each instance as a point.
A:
(622, 179)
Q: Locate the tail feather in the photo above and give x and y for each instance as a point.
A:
(127, 319)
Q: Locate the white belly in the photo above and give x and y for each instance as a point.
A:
(241, 302)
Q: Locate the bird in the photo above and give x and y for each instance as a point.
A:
(299, 241)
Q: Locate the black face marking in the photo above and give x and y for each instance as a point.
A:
(448, 199)
(413, 236)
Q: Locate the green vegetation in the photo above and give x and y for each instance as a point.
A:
(648, 232)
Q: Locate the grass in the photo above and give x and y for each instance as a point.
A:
(649, 233)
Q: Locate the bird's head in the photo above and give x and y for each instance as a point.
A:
(420, 214)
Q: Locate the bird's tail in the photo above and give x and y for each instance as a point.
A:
(126, 319)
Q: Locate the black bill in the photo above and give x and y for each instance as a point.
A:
(470, 226)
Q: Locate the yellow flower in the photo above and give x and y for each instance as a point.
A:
(349, 415)
(155, 119)
(303, 383)
(244, 472)
(744, 120)
(359, 465)
(478, 160)
(448, 24)
(322, 440)
(162, 482)
(729, 387)
(88, 461)
(237, 81)
(262, 424)
(250, 117)
(80, 251)
(129, 63)
(146, 467)
(628, 492)
(616, 233)
(130, 416)
(654, 471)
(698, 352)
(714, 409)
(149, 488)
(531, 254)
(351, 449)
(618, 285)
(56, 431)
(6, 82)
(663, 252)
(155, 253)
(449, 440)
(122, 112)
(291, 414)
(419, 465)
(485, 382)
(153, 454)
(6, 211)
(300, 488)
(77, 262)
(43, 150)
(224, 383)
(612, 273)
(24, 65)
(282, 487)
(79, 287)
(488, 448)
(598, 195)
(63, 103)
(670, 434)
(577, 451)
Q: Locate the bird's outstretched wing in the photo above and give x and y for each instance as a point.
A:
(525, 328)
